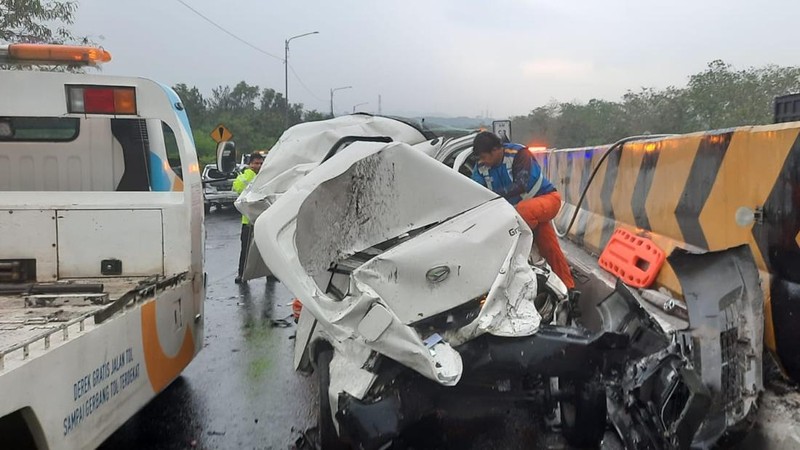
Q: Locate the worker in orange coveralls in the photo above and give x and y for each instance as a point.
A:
(511, 171)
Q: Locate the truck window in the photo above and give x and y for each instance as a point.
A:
(132, 136)
(88, 154)
(173, 153)
(33, 129)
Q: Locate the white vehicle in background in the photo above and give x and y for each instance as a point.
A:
(217, 188)
(101, 248)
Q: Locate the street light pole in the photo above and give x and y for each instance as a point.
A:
(286, 74)
(359, 104)
(334, 90)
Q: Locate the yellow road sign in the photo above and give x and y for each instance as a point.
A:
(221, 133)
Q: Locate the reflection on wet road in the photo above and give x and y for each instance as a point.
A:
(240, 391)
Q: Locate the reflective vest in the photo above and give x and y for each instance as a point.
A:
(240, 183)
(500, 177)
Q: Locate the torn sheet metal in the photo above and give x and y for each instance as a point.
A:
(700, 382)
(727, 329)
(302, 147)
(383, 216)
(306, 325)
(457, 249)
(347, 372)
(254, 266)
(379, 192)
(659, 306)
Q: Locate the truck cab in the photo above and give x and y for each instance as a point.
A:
(101, 247)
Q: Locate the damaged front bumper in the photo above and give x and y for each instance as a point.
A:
(495, 368)
(680, 389)
(690, 387)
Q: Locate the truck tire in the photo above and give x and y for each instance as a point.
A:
(207, 207)
(583, 415)
(328, 439)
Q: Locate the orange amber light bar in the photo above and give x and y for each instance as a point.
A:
(58, 53)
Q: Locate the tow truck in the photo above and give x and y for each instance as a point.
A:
(101, 247)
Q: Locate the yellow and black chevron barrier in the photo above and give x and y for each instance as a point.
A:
(702, 191)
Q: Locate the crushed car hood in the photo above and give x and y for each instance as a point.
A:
(410, 239)
(303, 147)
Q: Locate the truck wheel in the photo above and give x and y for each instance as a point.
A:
(207, 207)
(583, 415)
(328, 439)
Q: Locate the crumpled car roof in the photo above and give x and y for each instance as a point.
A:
(302, 147)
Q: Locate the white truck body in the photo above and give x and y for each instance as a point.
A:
(93, 199)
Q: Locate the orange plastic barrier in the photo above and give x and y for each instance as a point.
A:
(634, 259)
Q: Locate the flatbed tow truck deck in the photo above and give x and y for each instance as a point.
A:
(37, 317)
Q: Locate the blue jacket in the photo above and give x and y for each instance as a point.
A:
(519, 176)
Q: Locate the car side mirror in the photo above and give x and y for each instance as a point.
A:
(226, 157)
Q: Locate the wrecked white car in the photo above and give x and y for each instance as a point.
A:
(417, 293)
(302, 148)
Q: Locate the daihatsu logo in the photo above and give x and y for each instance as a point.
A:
(438, 274)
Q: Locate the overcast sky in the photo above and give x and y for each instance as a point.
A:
(441, 57)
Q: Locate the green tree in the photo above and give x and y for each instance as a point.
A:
(220, 100)
(271, 112)
(255, 116)
(722, 96)
(539, 127)
(596, 122)
(37, 21)
(244, 97)
(205, 146)
(719, 97)
(314, 116)
(193, 102)
(714, 94)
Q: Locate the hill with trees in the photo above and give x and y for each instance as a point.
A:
(719, 97)
(254, 115)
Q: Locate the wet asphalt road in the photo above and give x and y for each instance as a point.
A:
(240, 392)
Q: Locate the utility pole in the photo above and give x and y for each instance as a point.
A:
(334, 90)
(380, 111)
(286, 75)
(357, 105)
